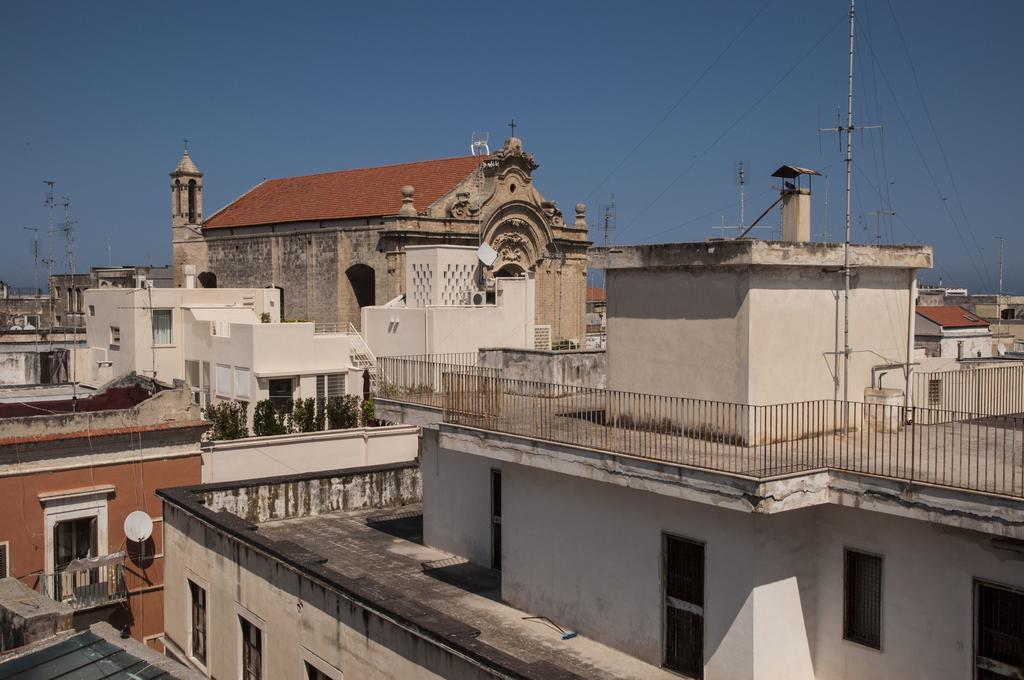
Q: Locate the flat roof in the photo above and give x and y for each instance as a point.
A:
(376, 559)
(386, 545)
(751, 252)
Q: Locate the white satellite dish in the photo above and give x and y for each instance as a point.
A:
(138, 526)
(486, 254)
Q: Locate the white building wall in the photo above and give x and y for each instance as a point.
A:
(588, 555)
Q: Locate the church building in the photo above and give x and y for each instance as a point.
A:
(333, 243)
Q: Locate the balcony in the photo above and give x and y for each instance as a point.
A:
(952, 448)
(87, 583)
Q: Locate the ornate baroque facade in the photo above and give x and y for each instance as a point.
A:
(334, 243)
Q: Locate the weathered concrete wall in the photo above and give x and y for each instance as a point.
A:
(166, 406)
(19, 368)
(286, 497)
(27, 616)
(578, 368)
(258, 457)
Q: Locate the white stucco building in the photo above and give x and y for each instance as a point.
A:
(450, 306)
(952, 332)
(226, 343)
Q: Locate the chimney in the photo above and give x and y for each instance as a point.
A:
(796, 203)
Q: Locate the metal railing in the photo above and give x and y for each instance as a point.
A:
(418, 379)
(958, 449)
(86, 587)
(993, 390)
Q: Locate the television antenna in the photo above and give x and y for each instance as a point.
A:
(479, 144)
(49, 203)
(742, 169)
(606, 214)
(848, 130)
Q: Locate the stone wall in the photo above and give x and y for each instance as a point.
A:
(316, 493)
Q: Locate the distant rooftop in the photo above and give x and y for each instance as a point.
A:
(951, 316)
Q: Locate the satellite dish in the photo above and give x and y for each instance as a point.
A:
(138, 526)
(486, 254)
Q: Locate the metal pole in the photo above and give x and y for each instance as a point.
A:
(999, 297)
(846, 248)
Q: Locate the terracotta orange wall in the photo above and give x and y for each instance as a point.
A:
(21, 523)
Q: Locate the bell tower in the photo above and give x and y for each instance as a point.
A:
(186, 220)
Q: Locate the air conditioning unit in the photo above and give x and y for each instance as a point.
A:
(479, 298)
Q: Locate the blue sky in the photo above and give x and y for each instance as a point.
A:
(98, 96)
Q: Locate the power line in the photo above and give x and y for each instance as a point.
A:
(924, 161)
(938, 140)
(701, 217)
(736, 122)
(680, 100)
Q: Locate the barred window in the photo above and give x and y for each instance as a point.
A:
(999, 647)
(684, 606)
(862, 599)
(935, 391)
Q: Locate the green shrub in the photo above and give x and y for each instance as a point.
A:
(366, 414)
(265, 419)
(321, 414)
(304, 415)
(229, 420)
(343, 412)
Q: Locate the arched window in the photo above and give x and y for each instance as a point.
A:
(177, 197)
(362, 279)
(509, 270)
(191, 201)
(79, 301)
(207, 280)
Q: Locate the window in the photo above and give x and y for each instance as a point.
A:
(115, 337)
(934, 391)
(92, 310)
(862, 599)
(252, 650)
(5, 559)
(206, 383)
(223, 380)
(192, 377)
(495, 519)
(280, 390)
(330, 385)
(198, 623)
(684, 606)
(242, 383)
(999, 630)
(73, 539)
(32, 320)
(162, 327)
(314, 673)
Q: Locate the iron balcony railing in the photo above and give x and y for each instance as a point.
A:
(418, 379)
(958, 449)
(86, 587)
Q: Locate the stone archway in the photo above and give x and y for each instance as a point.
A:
(362, 280)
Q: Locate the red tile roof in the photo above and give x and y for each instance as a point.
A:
(951, 316)
(595, 294)
(345, 194)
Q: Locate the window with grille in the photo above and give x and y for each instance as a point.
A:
(496, 519)
(862, 599)
(5, 563)
(198, 612)
(252, 650)
(330, 385)
(684, 606)
(162, 327)
(999, 628)
(935, 391)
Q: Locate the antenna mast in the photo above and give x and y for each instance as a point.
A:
(607, 214)
(49, 203)
(999, 296)
(846, 246)
(878, 214)
(69, 260)
(741, 171)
